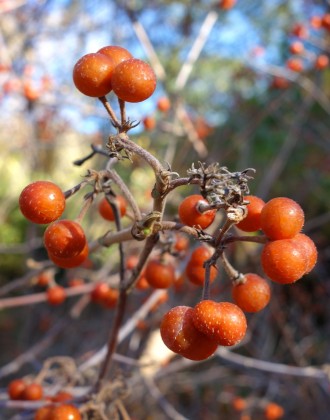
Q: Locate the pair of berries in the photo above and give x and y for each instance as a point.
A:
(113, 68)
(195, 333)
(289, 254)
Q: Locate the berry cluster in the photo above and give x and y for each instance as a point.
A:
(222, 207)
(114, 68)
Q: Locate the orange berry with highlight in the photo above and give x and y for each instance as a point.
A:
(16, 388)
(273, 411)
(284, 261)
(190, 215)
(253, 294)
(163, 104)
(222, 322)
(181, 336)
(116, 53)
(33, 392)
(133, 80)
(92, 74)
(281, 218)
(251, 222)
(159, 274)
(56, 295)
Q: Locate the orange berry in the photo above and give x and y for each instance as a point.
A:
(253, 294)
(310, 250)
(106, 211)
(190, 215)
(321, 62)
(133, 80)
(251, 222)
(181, 336)
(297, 47)
(33, 392)
(239, 404)
(273, 411)
(92, 74)
(116, 53)
(222, 322)
(300, 30)
(281, 218)
(56, 295)
(16, 388)
(158, 274)
(284, 260)
(227, 4)
(163, 104)
(149, 122)
(71, 262)
(295, 64)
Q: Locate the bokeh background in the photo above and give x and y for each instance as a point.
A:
(234, 101)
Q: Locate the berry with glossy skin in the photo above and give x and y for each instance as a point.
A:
(56, 295)
(273, 411)
(222, 322)
(64, 239)
(42, 202)
(65, 412)
(16, 388)
(191, 216)
(159, 274)
(181, 243)
(180, 335)
(281, 218)
(133, 80)
(43, 413)
(251, 222)
(116, 53)
(92, 74)
(71, 262)
(33, 392)
(300, 30)
(106, 211)
(62, 396)
(310, 250)
(253, 294)
(284, 261)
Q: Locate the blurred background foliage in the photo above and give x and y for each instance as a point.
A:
(231, 108)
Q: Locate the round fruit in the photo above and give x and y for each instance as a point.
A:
(321, 62)
(43, 413)
(196, 273)
(191, 216)
(62, 396)
(99, 292)
(64, 412)
(133, 80)
(70, 262)
(42, 202)
(110, 298)
(297, 47)
(116, 53)
(159, 275)
(180, 335)
(251, 222)
(92, 74)
(56, 295)
(281, 218)
(284, 261)
(149, 122)
(253, 294)
(64, 239)
(273, 411)
(310, 250)
(222, 322)
(16, 388)
(106, 211)
(295, 64)
(33, 392)
(163, 104)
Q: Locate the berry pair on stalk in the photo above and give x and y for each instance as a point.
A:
(288, 254)
(195, 333)
(113, 68)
